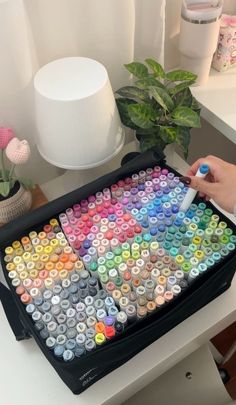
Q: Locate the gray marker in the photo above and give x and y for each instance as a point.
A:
(90, 311)
(179, 275)
(66, 283)
(52, 328)
(131, 313)
(109, 302)
(51, 342)
(176, 290)
(71, 344)
(75, 278)
(58, 350)
(55, 300)
(80, 307)
(93, 282)
(70, 313)
(99, 304)
(65, 305)
(80, 339)
(38, 301)
(47, 295)
(39, 326)
(71, 322)
(89, 301)
(83, 294)
(80, 351)
(64, 294)
(194, 273)
(73, 289)
(30, 308)
(122, 317)
(81, 327)
(84, 275)
(68, 355)
(90, 333)
(61, 329)
(90, 345)
(44, 333)
(171, 281)
(100, 314)
(91, 321)
(102, 294)
(113, 311)
(74, 299)
(81, 316)
(36, 316)
(46, 306)
(93, 292)
(47, 317)
(57, 289)
(55, 310)
(71, 333)
(61, 319)
(61, 340)
(149, 288)
(183, 284)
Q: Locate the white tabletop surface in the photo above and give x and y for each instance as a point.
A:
(26, 375)
(218, 101)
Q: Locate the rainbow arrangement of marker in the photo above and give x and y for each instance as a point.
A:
(112, 259)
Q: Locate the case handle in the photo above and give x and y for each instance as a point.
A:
(12, 313)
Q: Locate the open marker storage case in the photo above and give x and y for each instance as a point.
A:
(80, 373)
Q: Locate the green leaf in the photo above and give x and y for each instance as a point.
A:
(156, 68)
(184, 116)
(169, 134)
(122, 105)
(184, 98)
(27, 183)
(162, 97)
(195, 105)
(147, 82)
(180, 75)
(4, 188)
(151, 142)
(137, 69)
(180, 87)
(132, 92)
(142, 115)
(183, 140)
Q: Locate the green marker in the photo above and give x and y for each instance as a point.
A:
(125, 246)
(232, 239)
(209, 262)
(169, 237)
(109, 256)
(135, 255)
(186, 267)
(93, 267)
(192, 247)
(117, 251)
(174, 251)
(230, 246)
(216, 256)
(187, 254)
(228, 232)
(167, 245)
(138, 239)
(144, 245)
(110, 264)
(212, 224)
(118, 282)
(202, 206)
(200, 213)
(104, 280)
(224, 251)
(209, 212)
(118, 260)
(215, 247)
(102, 270)
(208, 251)
(177, 244)
(224, 239)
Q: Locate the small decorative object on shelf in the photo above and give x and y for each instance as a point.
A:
(225, 55)
(15, 197)
(159, 106)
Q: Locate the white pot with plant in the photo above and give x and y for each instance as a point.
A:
(15, 197)
(159, 106)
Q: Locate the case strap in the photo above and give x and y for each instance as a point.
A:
(12, 313)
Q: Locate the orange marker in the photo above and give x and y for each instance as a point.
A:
(73, 257)
(49, 266)
(33, 274)
(69, 266)
(43, 274)
(54, 258)
(25, 240)
(100, 327)
(42, 235)
(39, 266)
(59, 266)
(64, 258)
(26, 298)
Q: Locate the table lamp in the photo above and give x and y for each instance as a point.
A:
(78, 124)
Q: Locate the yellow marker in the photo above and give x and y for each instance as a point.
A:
(39, 249)
(63, 274)
(35, 257)
(135, 247)
(23, 275)
(68, 250)
(9, 250)
(125, 255)
(179, 259)
(144, 245)
(213, 224)
(20, 267)
(30, 265)
(166, 272)
(33, 274)
(222, 225)
(63, 242)
(199, 254)
(49, 266)
(39, 266)
(8, 258)
(48, 282)
(48, 250)
(100, 339)
(215, 218)
(44, 258)
(16, 244)
(17, 260)
(54, 274)
(45, 242)
(193, 227)
(161, 280)
(135, 255)
(10, 266)
(42, 235)
(26, 257)
(197, 240)
(19, 251)
(54, 243)
(33, 235)
(28, 247)
(79, 265)
(54, 222)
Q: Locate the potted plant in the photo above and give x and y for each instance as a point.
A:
(159, 106)
(15, 198)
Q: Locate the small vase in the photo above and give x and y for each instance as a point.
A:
(18, 203)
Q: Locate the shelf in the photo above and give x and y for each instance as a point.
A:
(218, 101)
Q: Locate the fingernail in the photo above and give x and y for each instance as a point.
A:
(185, 180)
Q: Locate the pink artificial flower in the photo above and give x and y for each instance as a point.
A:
(6, 134)
(17, 151)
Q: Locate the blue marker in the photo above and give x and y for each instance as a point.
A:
(191, 193)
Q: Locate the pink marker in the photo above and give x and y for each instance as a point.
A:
(119, 221)
(117, 231)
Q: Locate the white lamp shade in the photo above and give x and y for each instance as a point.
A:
(76, 115)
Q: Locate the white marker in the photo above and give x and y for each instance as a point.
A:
(191, 193)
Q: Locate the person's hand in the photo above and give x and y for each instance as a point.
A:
(219, 184)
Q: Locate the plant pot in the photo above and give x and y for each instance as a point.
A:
(18, 203)
(168, 151)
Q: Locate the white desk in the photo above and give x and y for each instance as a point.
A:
(25, 374)
(218, 101)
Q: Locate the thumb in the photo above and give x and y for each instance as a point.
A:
(199, 184)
